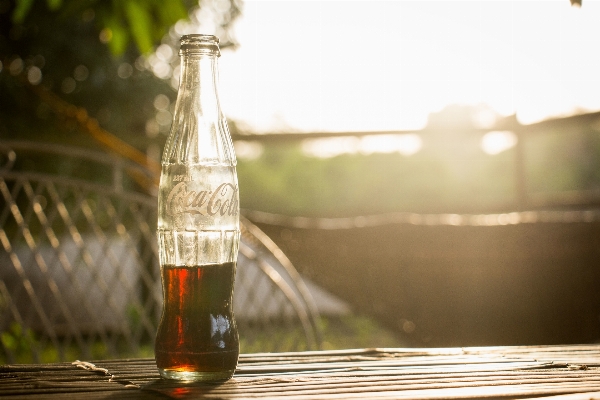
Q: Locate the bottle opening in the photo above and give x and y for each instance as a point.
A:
(200, 44)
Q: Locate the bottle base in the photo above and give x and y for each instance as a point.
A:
(196, 376)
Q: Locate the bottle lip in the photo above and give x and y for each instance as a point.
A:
(199, 44)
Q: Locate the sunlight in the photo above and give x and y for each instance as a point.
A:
(411, 58)
(247, 150)
(405, 144)
(330, 147)
(496, 142)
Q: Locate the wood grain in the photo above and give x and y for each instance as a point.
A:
(573, 372)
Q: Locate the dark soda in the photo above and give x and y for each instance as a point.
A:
(197, 336)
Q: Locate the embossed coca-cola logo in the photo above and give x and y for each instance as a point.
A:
(222, 201)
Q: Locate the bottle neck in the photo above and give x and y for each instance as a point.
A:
(198, 84)
(199, 133)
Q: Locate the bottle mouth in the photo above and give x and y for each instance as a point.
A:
(199, 44)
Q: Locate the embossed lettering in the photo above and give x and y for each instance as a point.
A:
(216, 201)
(174, 198)
(223, 200)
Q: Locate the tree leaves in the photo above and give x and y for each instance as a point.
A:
(140, 23)
(176, 11)
(24, 6)
(120, 23)
(115, 34)
(144, 22)
(54, 4)
(21, 10)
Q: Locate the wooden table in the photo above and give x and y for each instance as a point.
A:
(563, 372)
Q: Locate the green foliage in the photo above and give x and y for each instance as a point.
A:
(144, 22)
(139, 20)
(76, 66)
(54, 4)
(23, 7)
(21, 10)
(345, 332)
(285, 181)
(18, 340)
(87, 53)
(559, 162)
(356, 332)
(116, 34)
(450, 174)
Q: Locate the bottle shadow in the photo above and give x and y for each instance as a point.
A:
(173, 389)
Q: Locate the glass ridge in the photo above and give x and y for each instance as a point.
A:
(200, 44)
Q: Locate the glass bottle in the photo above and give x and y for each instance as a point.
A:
(198, 227)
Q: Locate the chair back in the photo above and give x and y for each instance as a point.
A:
(79, 272)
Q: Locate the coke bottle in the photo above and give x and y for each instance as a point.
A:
(198, 227)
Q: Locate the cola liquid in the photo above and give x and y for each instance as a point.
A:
(197, 336)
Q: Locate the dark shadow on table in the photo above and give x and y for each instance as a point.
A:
(187, 390)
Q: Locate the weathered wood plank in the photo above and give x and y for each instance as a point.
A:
(495, 372)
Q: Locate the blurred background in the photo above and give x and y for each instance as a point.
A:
(433, 166)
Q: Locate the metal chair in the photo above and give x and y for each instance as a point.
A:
(79, 273)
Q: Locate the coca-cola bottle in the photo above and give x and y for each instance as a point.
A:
(198, 227)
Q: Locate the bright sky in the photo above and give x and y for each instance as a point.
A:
(385, 65)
